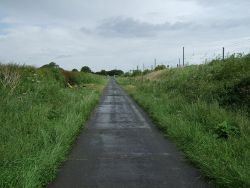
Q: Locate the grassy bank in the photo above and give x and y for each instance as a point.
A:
(204, 109)
(42, 111)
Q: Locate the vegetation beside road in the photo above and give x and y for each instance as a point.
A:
(205, 109)
(41, 112)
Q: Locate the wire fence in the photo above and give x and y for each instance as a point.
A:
(196, 55)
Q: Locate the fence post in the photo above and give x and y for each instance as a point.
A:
(183, 56)
(223, 53)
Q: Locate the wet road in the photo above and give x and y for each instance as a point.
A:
(121, 148)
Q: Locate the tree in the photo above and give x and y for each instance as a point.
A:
(115, 72)
(102, 72)
(74, 70)
(160, 67)
(86, 69)
(51, 65)
(146, 71)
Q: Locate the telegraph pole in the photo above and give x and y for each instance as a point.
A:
(183, 56)
(155, 62)
(223, 53)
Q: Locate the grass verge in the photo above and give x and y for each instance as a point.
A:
(213, 135)
(40, 119)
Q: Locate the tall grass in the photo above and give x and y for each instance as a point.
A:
(205, 110)
(39, 120)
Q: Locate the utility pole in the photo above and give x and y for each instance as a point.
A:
(223, 53)
(155, 62)
(142, 72)
(183, 56)
(179, 62)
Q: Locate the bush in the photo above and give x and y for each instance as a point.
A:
(81, 78)
(160, 67)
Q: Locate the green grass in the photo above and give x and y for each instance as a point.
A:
(204, 109)
(39, 119)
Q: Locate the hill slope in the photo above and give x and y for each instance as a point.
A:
(40, 118)
(205, 110)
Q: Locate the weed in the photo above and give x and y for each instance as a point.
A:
(226, 130)
(9, 76)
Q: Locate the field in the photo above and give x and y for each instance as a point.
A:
(205, 110)
(41, 113)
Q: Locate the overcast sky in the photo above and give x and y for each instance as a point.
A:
(107, 34)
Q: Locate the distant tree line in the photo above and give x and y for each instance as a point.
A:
(86, 69)
(113, 72)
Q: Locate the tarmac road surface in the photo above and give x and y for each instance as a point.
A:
(121, 148)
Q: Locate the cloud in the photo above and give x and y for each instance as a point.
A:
(132, 28)
(86, 30)
(125, 27)
(223, 2)
(231, 23)
(62, 56)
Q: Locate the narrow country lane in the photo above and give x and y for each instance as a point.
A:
(121, 148)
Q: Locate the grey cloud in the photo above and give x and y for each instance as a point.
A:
(224, 24)
(62, 56)
(86, 30)
(125, 27)
(131, 28)
(229, 24)
(219, 2)
(121, 27)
